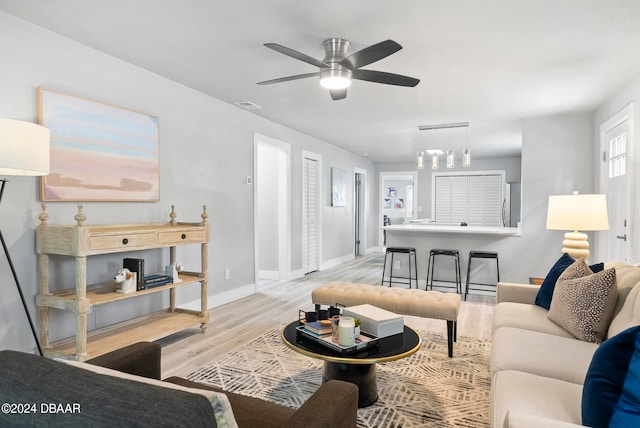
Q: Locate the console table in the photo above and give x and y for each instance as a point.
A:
(81, 241)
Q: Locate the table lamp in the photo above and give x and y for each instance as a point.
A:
(24, 150)
(576, 213)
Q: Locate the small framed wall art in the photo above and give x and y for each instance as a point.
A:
(99, 152)
(338, 188)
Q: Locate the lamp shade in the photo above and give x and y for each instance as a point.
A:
(577, 212)
(24, 148)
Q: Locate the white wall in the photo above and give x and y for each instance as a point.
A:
(206, 148)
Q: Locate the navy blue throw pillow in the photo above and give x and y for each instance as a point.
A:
(606, 376)
(543, 298)
(627, 411)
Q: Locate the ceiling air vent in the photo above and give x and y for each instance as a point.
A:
(248, 105)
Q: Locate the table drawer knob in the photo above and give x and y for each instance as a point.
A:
(125, 241)
(184, 236)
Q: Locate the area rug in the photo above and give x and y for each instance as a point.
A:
(425, 389)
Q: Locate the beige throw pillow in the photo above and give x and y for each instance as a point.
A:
(577, 269)
(584, 306)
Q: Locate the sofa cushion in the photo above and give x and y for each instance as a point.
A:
(542, 354)
(584, 306)
(103, 401)
(527, 317)
(627, 410)
(536, 395)
(545, 294)
(627, 312)
(218, 400)
(605, 377)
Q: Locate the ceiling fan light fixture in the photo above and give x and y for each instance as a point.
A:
(335, 78)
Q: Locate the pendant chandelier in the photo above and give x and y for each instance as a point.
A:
(450, 153)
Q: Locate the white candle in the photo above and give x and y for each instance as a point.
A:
(346, 330)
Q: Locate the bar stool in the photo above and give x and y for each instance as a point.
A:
(480, 255)
(411, 253)
(432, 265)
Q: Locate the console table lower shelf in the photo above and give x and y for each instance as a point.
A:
(150, 327)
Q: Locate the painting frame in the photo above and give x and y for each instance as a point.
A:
(99, 152)
(338, 187)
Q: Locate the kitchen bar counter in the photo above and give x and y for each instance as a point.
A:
(426, 236)
(452, 228)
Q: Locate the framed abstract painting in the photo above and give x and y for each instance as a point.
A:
(99, 152)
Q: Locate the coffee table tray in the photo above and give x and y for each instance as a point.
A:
(363, 341)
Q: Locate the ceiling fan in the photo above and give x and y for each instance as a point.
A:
(337, 69)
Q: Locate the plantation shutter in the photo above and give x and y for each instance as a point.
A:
(309, 210)
(475, 199)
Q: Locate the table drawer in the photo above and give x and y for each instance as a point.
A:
(182, 237)
(121, 241)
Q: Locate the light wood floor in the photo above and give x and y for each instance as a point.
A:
(277, 303)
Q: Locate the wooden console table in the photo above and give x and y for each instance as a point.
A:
(81, 241)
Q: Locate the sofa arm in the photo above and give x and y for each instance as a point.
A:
(525, 420)
(141, 359)
(517, 293)
(333, 405)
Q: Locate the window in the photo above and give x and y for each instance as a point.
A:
(617, 155)
(474, 198)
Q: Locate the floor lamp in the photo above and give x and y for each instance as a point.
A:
(577, 213)
(24, 150)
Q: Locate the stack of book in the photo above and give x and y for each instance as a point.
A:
(156, 280)
(317, 328)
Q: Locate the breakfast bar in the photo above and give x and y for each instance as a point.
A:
(424, 236)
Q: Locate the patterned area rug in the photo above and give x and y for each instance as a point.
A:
(425, 389)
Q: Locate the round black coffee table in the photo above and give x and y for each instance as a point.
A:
(358, 368)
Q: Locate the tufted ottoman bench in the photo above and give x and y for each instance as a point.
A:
(421, 303)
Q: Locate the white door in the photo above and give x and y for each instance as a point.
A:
(615, 184)
(310, 215)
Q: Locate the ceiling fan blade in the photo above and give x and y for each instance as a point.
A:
(338, 94)
(288, 78)
(371, 54)
(297, 55)
(384, 77)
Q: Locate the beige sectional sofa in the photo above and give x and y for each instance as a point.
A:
(539, 368)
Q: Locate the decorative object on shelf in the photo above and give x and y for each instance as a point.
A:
(172, 272)
(137, 266)
(128, 279)
(95, 154)
(576, 213)
(24, 150)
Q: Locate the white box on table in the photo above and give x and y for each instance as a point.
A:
(376, 321)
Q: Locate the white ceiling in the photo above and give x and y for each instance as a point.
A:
(489, 62)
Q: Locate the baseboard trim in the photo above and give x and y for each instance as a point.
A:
(335, 262)
(269, 274)
(222, 298)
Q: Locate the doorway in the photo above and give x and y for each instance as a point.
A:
(398, 201)
(271, 208)
(617, 184)
(360, 210)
